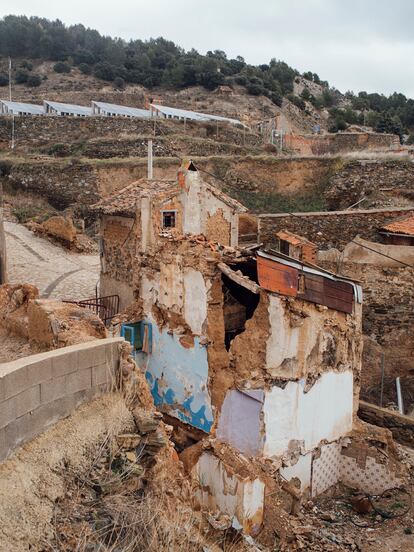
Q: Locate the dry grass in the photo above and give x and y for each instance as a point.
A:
(154, 514)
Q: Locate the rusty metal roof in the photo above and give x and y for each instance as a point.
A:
(124, 201)
(401, 226)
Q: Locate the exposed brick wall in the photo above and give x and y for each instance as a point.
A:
(38, 390)
(119, 243)
(330, 228)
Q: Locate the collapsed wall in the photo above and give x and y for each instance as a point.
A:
(260, 360)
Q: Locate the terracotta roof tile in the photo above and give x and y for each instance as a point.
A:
(292, 238)
(123, 202)
(401, 226)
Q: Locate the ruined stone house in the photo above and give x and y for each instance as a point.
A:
(254, 348)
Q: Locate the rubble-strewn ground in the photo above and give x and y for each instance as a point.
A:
(12, 347)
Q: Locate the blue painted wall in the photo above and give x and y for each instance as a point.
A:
(178, 378)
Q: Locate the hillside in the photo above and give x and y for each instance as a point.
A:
(75, 64)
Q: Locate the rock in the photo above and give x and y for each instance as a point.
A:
(60, 228)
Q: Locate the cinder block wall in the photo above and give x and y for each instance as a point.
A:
(38, 390)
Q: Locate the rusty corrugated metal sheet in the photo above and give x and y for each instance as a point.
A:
(277, 277)
(332, 294)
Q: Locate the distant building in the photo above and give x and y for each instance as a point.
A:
(296, 246)
(113, 110)
(66, 110)
(19, 108)
(399, 232)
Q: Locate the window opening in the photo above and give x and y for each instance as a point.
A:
(168, 219)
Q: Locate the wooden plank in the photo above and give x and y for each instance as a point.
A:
(243, 281)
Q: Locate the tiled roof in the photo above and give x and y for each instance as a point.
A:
(294, 239)
(123, 202)
(401, 226)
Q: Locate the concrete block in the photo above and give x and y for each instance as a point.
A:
(4, 449)
(39, 370)
(52, 389)
(15, 382)
(64, 363)
(103, 374)
(78, 381)
(25, 373)
(112, 355)
(92, 355)
(20, 404)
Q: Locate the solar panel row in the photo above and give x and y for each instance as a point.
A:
(108, 110)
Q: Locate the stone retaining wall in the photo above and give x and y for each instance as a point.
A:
(329, 228)
(38, 390)
(401, 427)
(341, 142)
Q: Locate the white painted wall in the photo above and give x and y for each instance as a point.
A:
(302, 470)
(199, 203)
(324, 412)
(241, 499)
(192, 204)
(195, 300)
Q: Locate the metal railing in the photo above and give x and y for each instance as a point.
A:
(105, 307)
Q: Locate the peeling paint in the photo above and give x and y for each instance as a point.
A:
(240, 498)
(323, 413)
(178, 378)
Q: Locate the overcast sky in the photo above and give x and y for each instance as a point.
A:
(354, 44)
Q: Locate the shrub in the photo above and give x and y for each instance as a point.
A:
(85, 68)
(4, 79)
(21, 76)
(34, 80)
(119, 83)
(410, 140)
(241, 80)
(26, 65)
(254, 89)
(61, 67)
(296, 101)
(104, 71)
(276, 98)
(59, 150)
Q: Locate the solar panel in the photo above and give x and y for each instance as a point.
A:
(20, 108)
(109, 109)
(193, 115)
(70, 109)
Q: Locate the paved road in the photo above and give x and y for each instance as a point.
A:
(57, 273)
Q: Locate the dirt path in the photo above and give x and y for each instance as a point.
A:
(56, 272)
